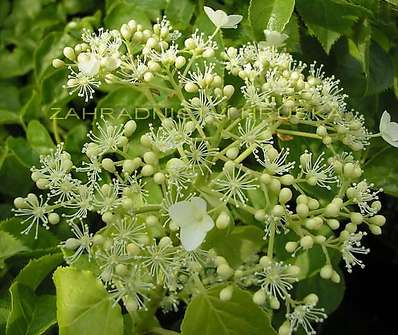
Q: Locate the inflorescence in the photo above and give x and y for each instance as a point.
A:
(225, 152)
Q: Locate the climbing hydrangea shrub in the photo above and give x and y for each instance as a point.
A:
(220, 162)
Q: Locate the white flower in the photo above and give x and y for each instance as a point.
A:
(389, 130)
(193, 220)
(88, 63)
(221, 19)
(274, 38)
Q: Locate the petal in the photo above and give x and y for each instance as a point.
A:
(192, 236)
(207, 223)
(220, 18)
(209, 12)
(390, 140)
(384, 121)
(181, 213)
(199, 204)
(392, 131)
(232, 21)
(88, 64)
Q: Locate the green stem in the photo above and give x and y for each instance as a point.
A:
(298, 133)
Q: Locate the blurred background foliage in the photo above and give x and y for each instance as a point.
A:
(356, 40)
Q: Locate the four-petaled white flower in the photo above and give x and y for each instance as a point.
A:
(389, 130)
(193, 220)
(88, 63)
(221, 19)
(274, 38)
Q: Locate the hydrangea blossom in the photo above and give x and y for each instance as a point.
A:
(224, 165)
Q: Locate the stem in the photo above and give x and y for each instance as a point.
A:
(56, 132)
(298, 133)
(270, 251)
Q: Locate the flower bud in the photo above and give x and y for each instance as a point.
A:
(69, 53)
(259, 297)
(180, 62)
(307, 242)
(225, 271)
(311, 299)
(232, 153)
(108, 165)
(19, 202)
(159, 178)
(285, 329)
(53, 218)
(378, 220)
(58, 63)
(375, 230)
(147, 170)
(191, 87)
(260, 214)
(326, 272)
(228, 91)
(302, 210)
(226, 293)
(285, 195)
(265, 261)
(132, 249)
(223, 220)
(129, 128)
(291, 246)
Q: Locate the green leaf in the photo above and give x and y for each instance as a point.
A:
(180, 12)
(30, 314)
(15, 177)
(337, 16)
(38, 269)
(381, 170)
(9, 246)
(208, 315)
(49, 48)
(124, 12)
(45, 241)
(7, 117)
(9, 96)
(22, 151)
(325, 36)
(15, 63)
(271, 14)
(39, 138)
(236, 246)
(84, 306)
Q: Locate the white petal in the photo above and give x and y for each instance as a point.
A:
(220, 18)
(199, 204)
(209, 12)
(232, 21)
(384, 121)
(192, 236)
(207, 223)
(181, 213)
(392, 131)
(88, 64)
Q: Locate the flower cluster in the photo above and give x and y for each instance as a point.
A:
(223, 157)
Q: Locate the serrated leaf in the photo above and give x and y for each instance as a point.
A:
(180, 12)
(237, 245)
(30, 314)
(208, 315)
(337, 16)
(325, 36)
(84, 306)
(39, 138)
(272, 14)
(122, 13)
(9, 246)
(38, 269)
